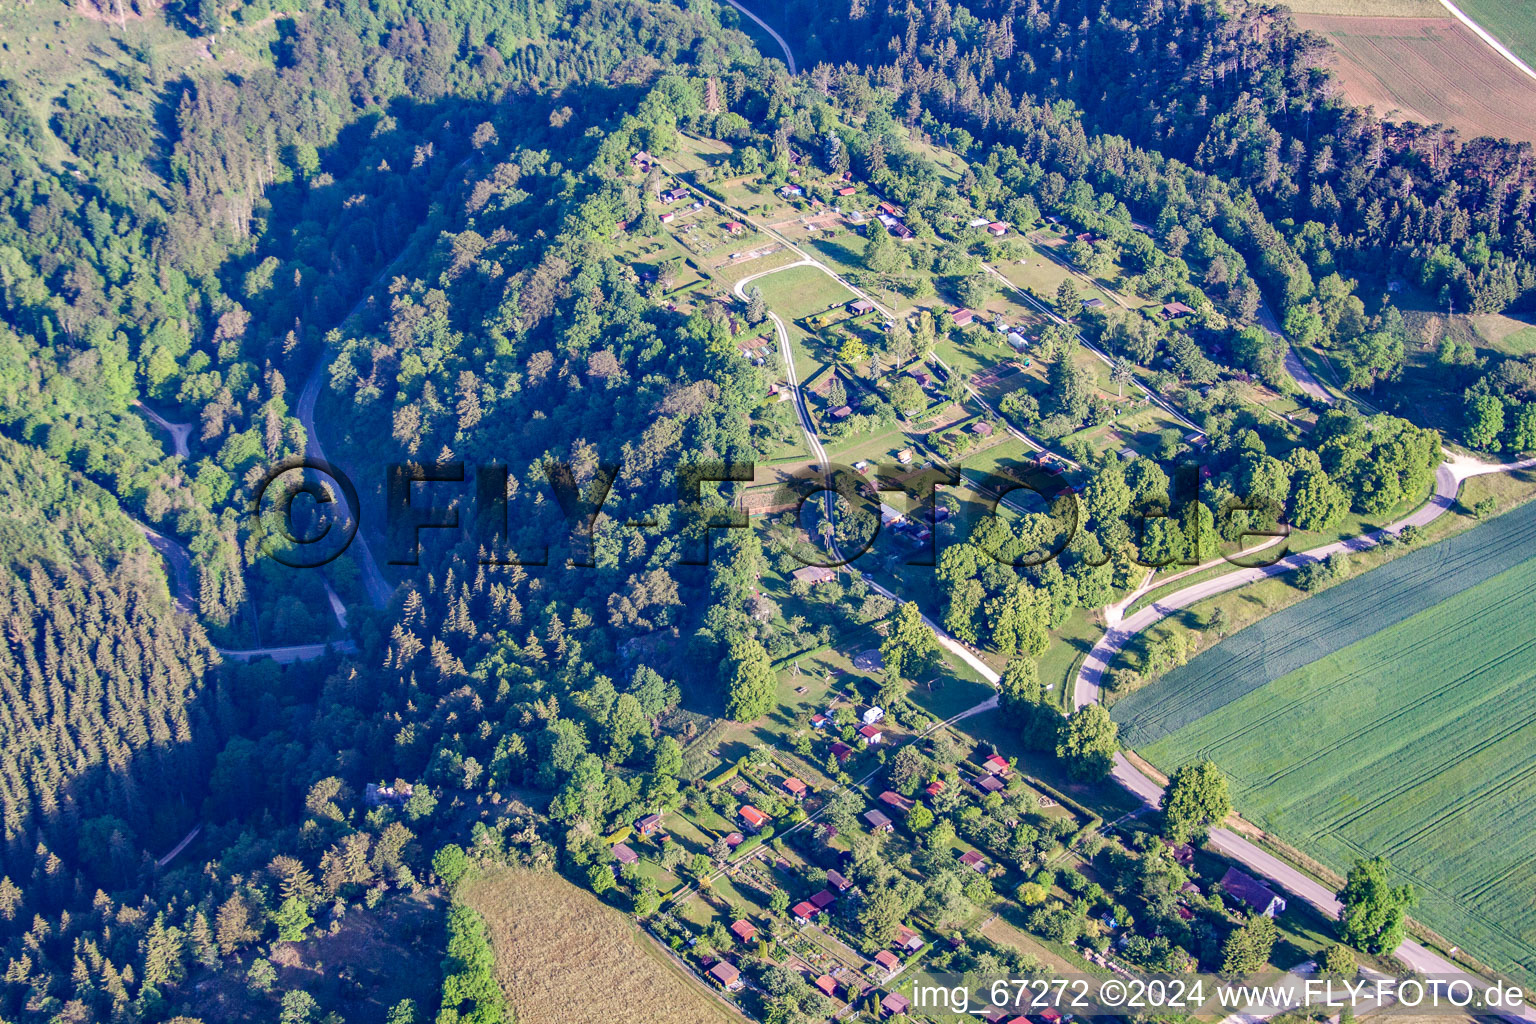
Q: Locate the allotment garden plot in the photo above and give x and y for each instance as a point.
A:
(1417, 743)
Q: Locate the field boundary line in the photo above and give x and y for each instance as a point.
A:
(1488, 38)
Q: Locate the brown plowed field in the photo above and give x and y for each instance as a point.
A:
(1429, 70)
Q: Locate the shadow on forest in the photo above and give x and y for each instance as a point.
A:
(111, 822)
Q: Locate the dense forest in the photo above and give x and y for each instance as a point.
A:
(1236, 91)
(423, 204)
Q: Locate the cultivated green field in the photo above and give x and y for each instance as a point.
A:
(1511, 22)
(1355, 610)
(1417, 743)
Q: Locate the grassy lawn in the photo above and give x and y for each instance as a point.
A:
(979, 350)
(1069, 645)
(1007, 930)
(952, 691)
(843, 251)
(879, 448)
(1003, 458)
(794, 294)
(1041, 275)
(1138, 428)
(728, 271)
(1111, 289)
(1107, 801)
(695, 153)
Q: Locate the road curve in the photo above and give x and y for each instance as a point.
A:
(789, 55)
(374, 584)
(181, 580)
(1448, 479)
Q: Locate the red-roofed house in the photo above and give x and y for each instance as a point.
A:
(896, 800)
(734, 840)
(1259, 897)
(728, 976)
(935, 787)
(795, 787)
(841, 751)
(648, 824)
(907, 939)
(997, 764)
(887, 961)
(973, 860)
(962, 317)
(827, 986)
(623, 854)
(870, 735)
(754, 818)
(847, 190)
(803, 912)
(895, 1004)
(997, 228)
(745, 931)
(735, 227)
(823, 899)
(819, 721)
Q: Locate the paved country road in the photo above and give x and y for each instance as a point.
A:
(1448, 480)
(1483, 34)
(789, 56)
